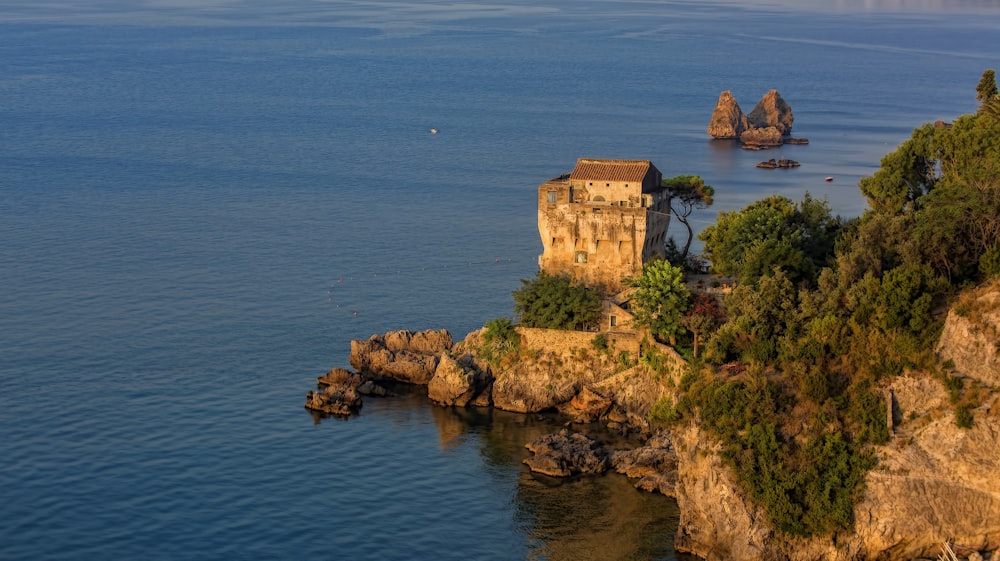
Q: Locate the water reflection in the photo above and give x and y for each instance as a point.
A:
(578, 519)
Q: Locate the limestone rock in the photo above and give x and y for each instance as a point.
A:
(524, 388)
(456, 382)
(766, 136)
(772, 111)
(337, 399)
(564, 453)
(339, 376)
(972, 340)
(654, 465)
(400, 355)
(728, 120)
(934, 482)
(590, 405)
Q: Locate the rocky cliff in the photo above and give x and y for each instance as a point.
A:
(935, 482)
(970, 341)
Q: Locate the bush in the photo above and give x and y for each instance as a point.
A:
(499, 340)
(664, 412)
(989, 262)
(555, 302)
(600, 343)
(963, 417)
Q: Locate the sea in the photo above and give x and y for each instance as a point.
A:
(203, 203)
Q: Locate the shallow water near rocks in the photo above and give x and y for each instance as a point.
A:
(201, 207)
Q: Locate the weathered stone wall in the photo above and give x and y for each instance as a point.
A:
(599, 242)
(562, 342)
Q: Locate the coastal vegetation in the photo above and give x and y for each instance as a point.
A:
(556, 302)
(825, 310)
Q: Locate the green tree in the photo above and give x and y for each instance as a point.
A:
(555, 302)
(660, 299)
(770, 234)
(687, 193)
(904, 176)
(987, 88)
(760, 317)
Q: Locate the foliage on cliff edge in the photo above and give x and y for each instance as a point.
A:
(827, 309)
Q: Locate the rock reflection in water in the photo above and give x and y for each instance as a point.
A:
(576, 519)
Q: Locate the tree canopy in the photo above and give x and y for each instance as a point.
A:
(660, 299)
(555, 302)
(772, 234)
(825, 309)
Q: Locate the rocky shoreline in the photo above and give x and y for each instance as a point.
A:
(936, 483)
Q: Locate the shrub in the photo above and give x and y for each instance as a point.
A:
(499, 340)
(963, 417)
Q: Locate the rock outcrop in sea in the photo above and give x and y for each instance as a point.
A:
(769, 124)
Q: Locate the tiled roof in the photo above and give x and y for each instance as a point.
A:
(610, 170)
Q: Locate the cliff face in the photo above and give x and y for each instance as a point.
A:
(935, 482)
(971, 334)
(728, 120)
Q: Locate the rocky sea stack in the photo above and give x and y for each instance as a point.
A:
(769, 124)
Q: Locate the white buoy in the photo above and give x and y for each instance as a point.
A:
(434, 131)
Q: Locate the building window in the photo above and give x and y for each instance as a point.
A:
(552, 197)
(581, 256)
(614, 321)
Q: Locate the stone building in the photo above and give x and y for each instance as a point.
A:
(602, 221)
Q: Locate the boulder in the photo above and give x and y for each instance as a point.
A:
(766, 136)
(456, 382)
(589, 405)
(336, 399)
(564, 453)
(728, 120)
(339, 376)
(526, 388)
(654, 465)
(772, 111)
(403, 356)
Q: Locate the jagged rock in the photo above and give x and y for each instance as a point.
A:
(590, 405)
(728, 120)
(935, 482)
(782, 163)
(369, 387)
(766, 136)
(564, 453)
(970, 340)
(457, 382)
(427, 342)
(400, 355)
(772, 111)
(654, 465)
(336, 399)
(339, 376)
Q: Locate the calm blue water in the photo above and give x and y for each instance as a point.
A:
(195, 203)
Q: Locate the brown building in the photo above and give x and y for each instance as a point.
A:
(602, 221)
